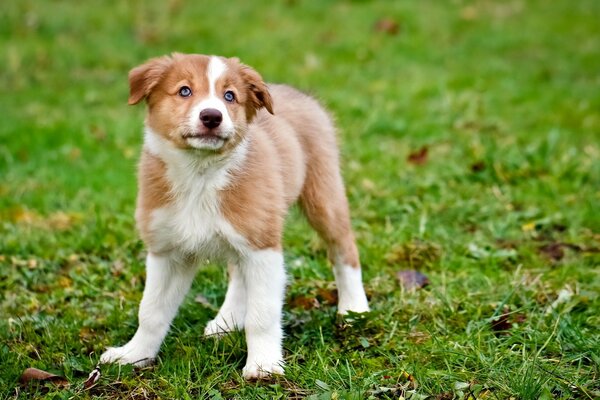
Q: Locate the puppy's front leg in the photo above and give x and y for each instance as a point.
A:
(167, 281)
(264, 277)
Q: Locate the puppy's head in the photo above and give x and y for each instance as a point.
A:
(199, 102)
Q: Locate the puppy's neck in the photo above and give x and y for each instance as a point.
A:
(185, 166)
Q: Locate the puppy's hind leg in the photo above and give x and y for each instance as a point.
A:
(233, 311)
(168, 279)
(324, 203)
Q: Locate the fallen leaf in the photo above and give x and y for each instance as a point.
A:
(501, 323)
(93, 377)
(327, 296)
(553, 251)
(418, 157)
(37, 375)
(411, 279)
(387, 25)
(504, 322)
(86, 334)
(305, 302)
(478, 166)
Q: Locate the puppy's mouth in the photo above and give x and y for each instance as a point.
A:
(205, 135)
(205, 140)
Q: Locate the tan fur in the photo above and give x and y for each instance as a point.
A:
(292, 154)
(153, 191)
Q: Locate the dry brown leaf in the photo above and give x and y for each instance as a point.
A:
(327, 296)
(387, 25)
(411, 279)
(86, 334)
(553, 251)
(502, 324)
(37, 375)
(418, 157)
(93, 377)
(305, 302)
(478, 166)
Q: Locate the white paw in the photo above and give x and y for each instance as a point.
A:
(358, 305)
(219, 327)
(262, 369)
(127, 355)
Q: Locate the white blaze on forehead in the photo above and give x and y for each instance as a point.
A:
(216, 68)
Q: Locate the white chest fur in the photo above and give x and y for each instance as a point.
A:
(193, 223)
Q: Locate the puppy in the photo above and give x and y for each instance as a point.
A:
(224, 157)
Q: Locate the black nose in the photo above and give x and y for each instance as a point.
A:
(211, 118)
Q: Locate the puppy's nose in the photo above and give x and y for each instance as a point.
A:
(211, 118)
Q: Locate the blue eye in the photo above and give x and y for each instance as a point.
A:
(229, 96)
(185, 91)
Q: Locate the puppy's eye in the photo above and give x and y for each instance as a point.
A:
(185, 91)
(229, 96)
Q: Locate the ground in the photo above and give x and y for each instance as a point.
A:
(470, 137)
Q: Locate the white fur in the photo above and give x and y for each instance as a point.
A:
(193, 223)
(264, 274)
(167, 281)
(216, 68)
(350, 289)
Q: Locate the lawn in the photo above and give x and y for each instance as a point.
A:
(470, 137)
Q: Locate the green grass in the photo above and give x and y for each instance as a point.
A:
(506, 97)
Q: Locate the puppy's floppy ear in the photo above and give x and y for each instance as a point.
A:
(258, 92)
(143, 78)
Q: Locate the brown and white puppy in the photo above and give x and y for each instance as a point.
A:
(224, 157)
